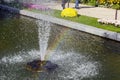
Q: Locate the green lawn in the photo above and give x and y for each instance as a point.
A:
(84, 20)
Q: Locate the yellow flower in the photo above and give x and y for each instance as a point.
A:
(69, 12)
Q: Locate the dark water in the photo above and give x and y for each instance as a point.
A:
(80, 56)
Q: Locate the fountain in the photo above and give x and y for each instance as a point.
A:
(80, 56)
(42, 64)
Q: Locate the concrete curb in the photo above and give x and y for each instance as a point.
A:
(85, 28)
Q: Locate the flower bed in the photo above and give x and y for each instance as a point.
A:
(36, 6)
(109, 21)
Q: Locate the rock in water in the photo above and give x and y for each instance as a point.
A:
(40, 66)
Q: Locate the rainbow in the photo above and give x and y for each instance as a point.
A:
(56, 43)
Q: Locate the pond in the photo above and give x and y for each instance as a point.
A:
(79, 56)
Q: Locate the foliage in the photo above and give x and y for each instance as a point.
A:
(107, 3)
(111, 3)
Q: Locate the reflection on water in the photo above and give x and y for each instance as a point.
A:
(80, 56)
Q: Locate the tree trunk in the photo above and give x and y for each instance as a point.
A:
(116, 11)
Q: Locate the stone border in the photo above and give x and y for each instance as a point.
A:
(85, 28)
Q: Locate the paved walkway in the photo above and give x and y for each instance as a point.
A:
(96, 12)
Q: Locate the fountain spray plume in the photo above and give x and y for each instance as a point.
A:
(44, 31)
(44, 26)
(42, 64)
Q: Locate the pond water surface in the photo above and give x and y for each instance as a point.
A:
(80, 56)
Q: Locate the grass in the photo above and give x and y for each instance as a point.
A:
(85, 20)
